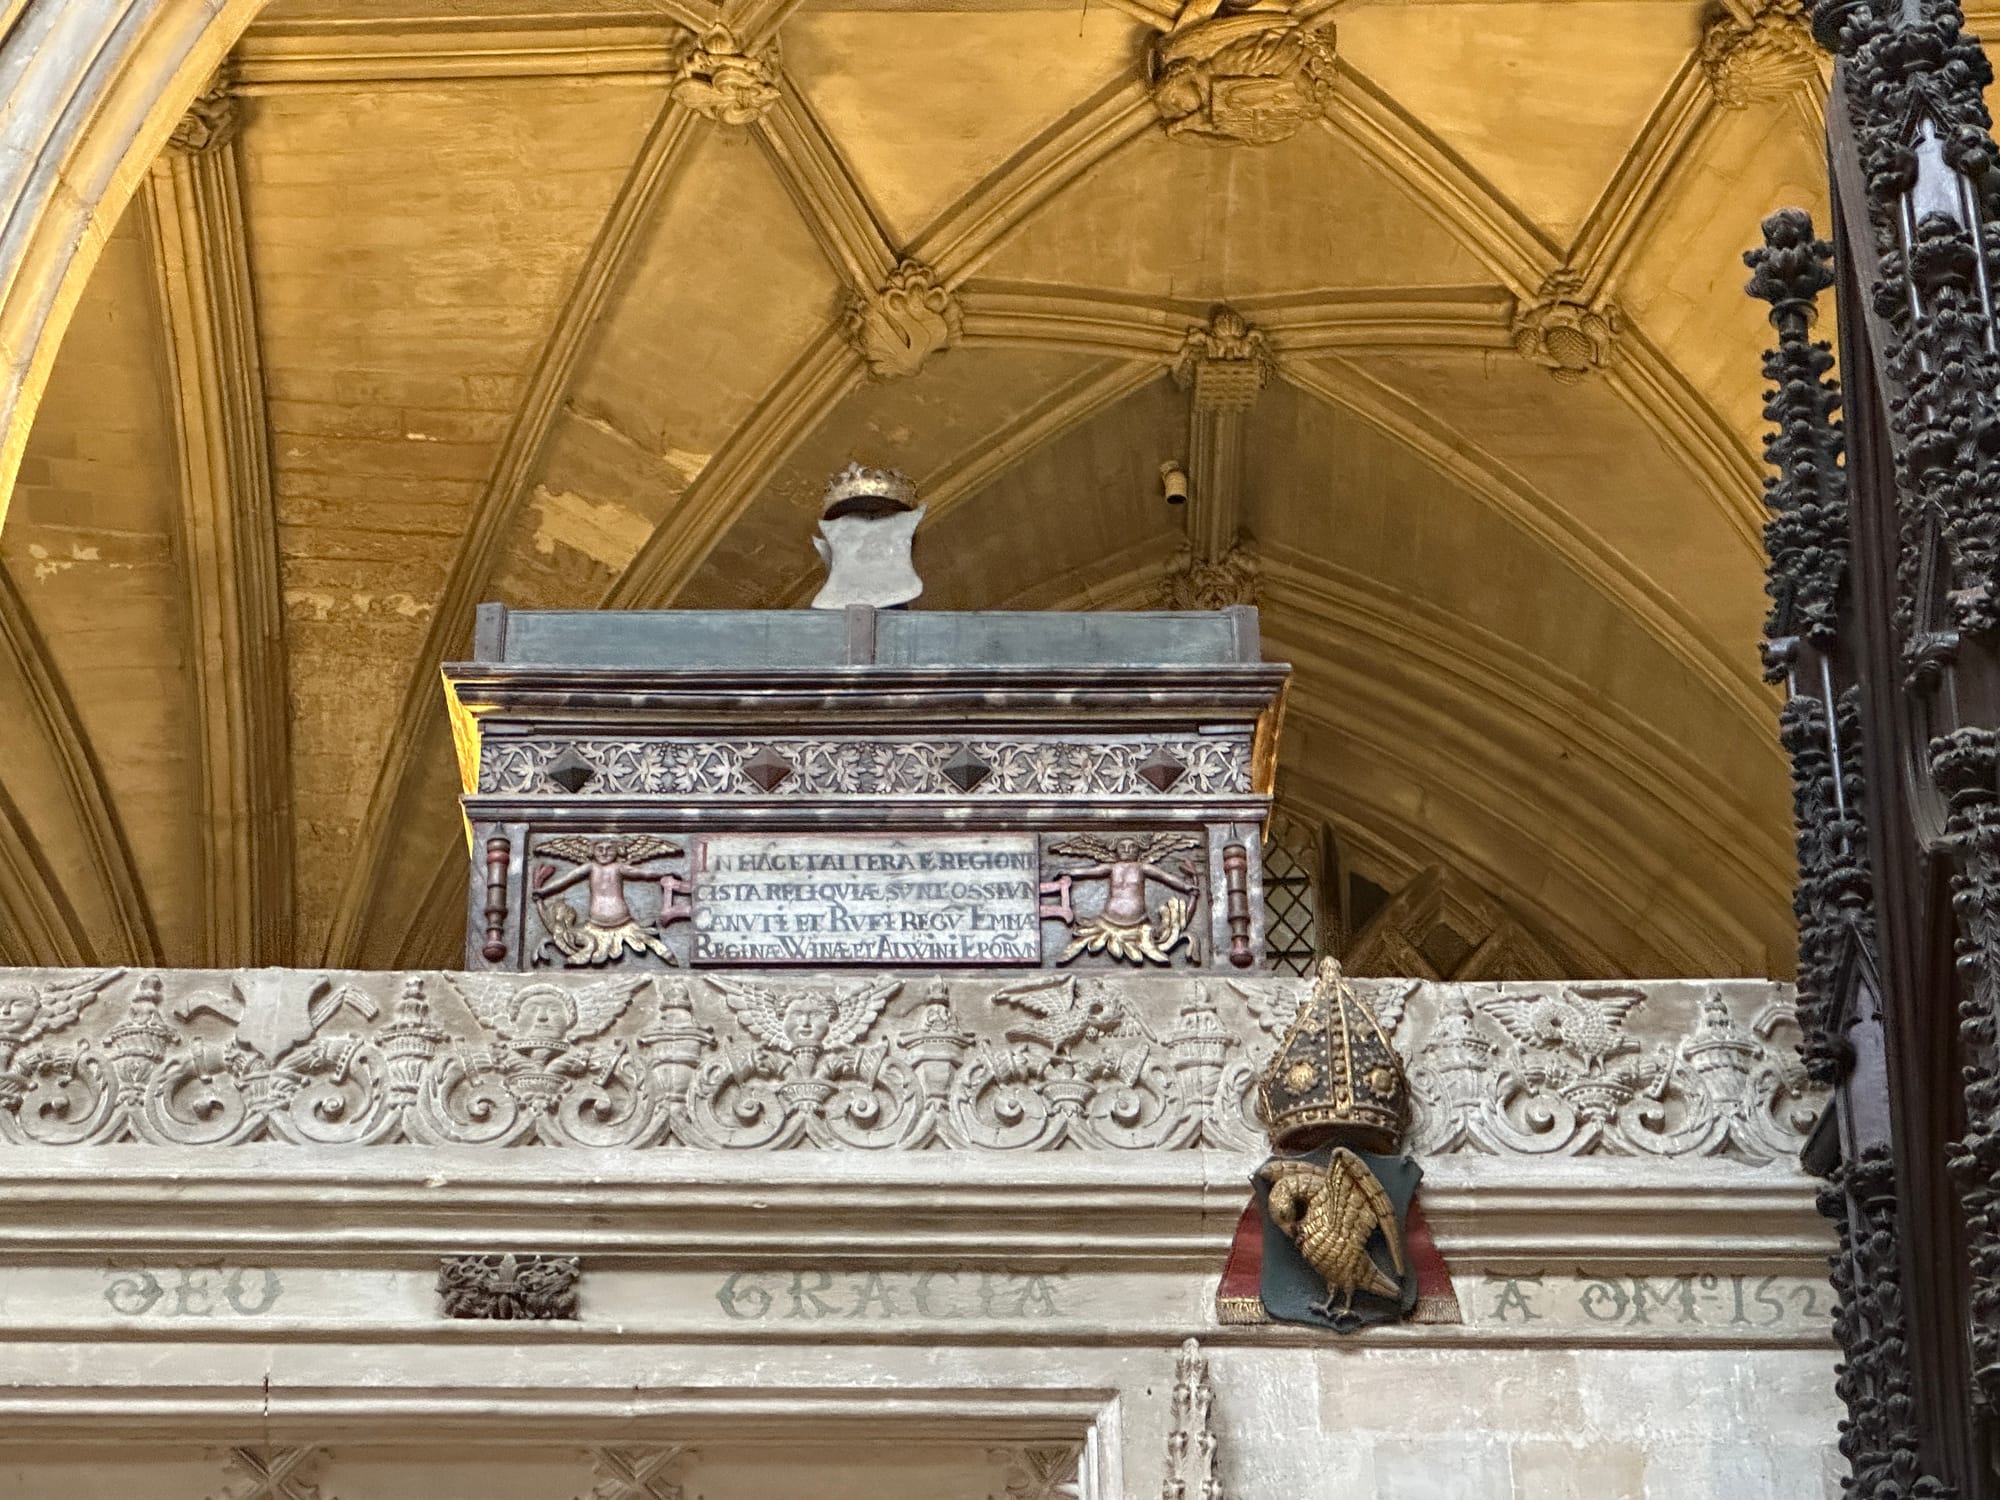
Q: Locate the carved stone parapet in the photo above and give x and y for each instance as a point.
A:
(898, 327)
(212, 121)
(1043, 1061)
(1570, 337)
(508, 1287)
(1243, 73)
(1192, 582)
(1762, 59)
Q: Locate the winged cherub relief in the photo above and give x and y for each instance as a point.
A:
(542, 1029)
(606, 930)
(29, 1012)
(816, 1030)
(1126, 927)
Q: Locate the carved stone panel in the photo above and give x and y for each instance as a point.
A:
(856, 898)
(1119, 1059)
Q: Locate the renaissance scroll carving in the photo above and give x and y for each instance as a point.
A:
(882, 1062)
(820, 768)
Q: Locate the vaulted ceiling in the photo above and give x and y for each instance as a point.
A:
(577, 303)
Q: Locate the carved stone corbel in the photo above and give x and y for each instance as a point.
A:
(212, 121)
(1760, 60)
(1566, 334)
(1224, 363)
(719, 81)
(899, 326)
(1194, 582)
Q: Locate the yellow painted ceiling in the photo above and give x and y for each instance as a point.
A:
(526, 327)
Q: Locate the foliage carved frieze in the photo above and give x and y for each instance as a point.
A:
(765, 1061)
(1026, 767)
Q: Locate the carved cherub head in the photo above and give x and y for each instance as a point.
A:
(20, 1005)
(543, 1016)
(808, 1018)
(1128, 849)
(606, 851)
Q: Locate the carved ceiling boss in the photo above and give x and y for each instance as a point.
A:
(1251, 73)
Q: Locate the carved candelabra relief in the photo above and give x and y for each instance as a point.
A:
(1110, 1059)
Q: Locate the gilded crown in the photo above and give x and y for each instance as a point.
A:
(860, 489)
(1336, 1078)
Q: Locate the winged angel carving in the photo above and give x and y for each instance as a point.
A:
(809, 1071)
(1126, 927)
(29, 1012)
(541, 1076)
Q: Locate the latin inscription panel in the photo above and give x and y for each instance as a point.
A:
(831, 899)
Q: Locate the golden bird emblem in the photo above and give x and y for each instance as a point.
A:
(1330, 1214)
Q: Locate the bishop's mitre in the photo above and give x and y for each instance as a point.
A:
(1335, 1078)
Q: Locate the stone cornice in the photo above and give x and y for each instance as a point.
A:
(1169, 1210)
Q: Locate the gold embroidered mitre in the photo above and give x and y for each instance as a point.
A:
(1336, 1076)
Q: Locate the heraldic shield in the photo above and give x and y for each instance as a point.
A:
(1335, 1255)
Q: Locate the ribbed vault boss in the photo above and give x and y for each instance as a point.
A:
(1336, 1104)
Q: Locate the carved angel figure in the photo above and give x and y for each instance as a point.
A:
(29, 1012)
(1252, 72)
(1331, 1214)
(605, 930)
(811, 1027)
(542, 1021)
(1126, 927)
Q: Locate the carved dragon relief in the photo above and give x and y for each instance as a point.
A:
(1100, 1060)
